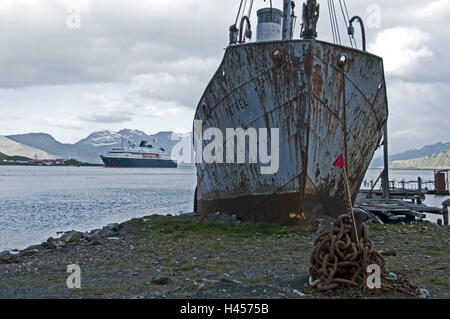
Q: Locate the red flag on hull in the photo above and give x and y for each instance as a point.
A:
(339, 162)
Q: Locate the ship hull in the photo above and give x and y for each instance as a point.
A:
(322, 105)
(115, 162)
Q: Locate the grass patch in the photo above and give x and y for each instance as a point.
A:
(440, 282)
(91, 291)
(180, 228)
(377, 227)
(429, 248)
(433, 253)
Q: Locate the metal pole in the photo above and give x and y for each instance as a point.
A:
(385, 180)
(445, 215)
(419, 184)
(287, 25)
(448, 186)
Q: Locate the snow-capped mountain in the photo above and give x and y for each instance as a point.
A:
(110, 138)
(13, 148)
(99, 139)
(89, 148)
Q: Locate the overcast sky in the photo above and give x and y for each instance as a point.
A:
(144, 64)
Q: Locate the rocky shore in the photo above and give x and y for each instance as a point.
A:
(218, 256)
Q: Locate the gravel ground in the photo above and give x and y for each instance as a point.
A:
(217, 257)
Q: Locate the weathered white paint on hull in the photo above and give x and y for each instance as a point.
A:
(300, 87)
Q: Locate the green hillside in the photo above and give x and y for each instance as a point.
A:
(438, 160)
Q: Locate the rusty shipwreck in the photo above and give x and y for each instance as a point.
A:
(326, 99)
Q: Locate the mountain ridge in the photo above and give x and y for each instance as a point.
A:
(10, 147)
(89, 148)
(427, 150)
(439, 160)
(99, 142)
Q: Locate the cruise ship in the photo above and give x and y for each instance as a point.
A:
(143, 156)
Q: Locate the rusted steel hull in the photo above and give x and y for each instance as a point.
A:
(317, 100)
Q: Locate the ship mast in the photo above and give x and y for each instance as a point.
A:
(310, 17)
(287, 20)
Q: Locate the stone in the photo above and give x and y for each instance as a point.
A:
(312, 226)
(424, 293)
(95, 233)
(71, 236)
(324, 224)
(389, 252)
(48, 245)
(59, 243)
(231, 281)
(190, 214)
(106, 232)
(7, 258)
(87, 236)
(113, 227)
(160, 280)
(298, 293)
(204, 273)
(201, 286)
(29, 251)
(95, 243)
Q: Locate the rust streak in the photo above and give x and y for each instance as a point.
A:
(356, 87)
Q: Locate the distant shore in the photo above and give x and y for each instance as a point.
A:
(190, 256)
(62, 165)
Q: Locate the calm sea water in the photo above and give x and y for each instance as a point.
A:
(36, 202)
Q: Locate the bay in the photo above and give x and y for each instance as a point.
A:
(37, 202)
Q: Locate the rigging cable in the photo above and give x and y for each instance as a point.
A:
(346, 20)
(336, 22)
(249, 14)
(239, 13)
(250, 9)
(243, 9)
(271, 11)
(333, 32)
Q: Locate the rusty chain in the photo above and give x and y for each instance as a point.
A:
(339, 265)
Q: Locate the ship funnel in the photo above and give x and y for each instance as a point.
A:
(269, 24)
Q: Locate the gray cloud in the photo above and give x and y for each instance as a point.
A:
(101, 117)
(136, 60)
(117, 40)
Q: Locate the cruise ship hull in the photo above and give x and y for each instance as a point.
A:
(326, 100)
(137, 163)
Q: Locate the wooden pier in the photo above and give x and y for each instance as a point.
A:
(399, 193)
(410, 190)
(394, 210)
